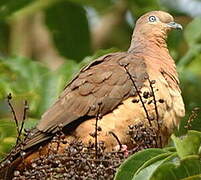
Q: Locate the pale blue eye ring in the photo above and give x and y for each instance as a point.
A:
(152, 18)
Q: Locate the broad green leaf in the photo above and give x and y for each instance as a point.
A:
(188, 168)
(170, 149)
(68, 26)
(131, 165)
(188, 144)
(192, 32)
(46, 93)
(53, 85)
(146, 172)
(24, 77)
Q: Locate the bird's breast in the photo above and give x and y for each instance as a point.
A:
(156, 101)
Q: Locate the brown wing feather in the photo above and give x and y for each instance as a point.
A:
(104, 81)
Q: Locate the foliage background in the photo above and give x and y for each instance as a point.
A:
(44, 42)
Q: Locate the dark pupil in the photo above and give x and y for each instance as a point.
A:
(152, 18)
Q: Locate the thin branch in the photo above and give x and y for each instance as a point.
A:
(9, 97)
(138, 92)
(98, 117)
(154, 98)
(115, 136)
(26, 107)
(60, 126)
(156, 109)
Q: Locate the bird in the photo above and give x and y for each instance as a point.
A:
(116, 88)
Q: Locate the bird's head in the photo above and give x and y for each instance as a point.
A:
(154, 26)
(157, 21)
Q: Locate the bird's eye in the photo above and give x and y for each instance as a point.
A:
(152, 18)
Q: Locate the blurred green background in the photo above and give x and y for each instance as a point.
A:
(44, 42)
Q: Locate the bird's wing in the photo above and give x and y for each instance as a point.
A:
(97, 89)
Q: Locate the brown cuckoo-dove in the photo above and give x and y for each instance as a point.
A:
(113, 86)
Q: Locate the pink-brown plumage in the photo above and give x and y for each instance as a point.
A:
(105, 87)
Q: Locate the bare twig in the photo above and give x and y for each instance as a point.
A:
(9, 97)
(96, 137)
(151, 82)
(60, 126)
(138, 92)
(154, 99)
(115, 136)
(23, 120)
(98, 117)
(143, 104)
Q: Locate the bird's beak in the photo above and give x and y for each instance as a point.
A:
(174, 25)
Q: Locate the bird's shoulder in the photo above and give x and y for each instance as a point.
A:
(108, 69)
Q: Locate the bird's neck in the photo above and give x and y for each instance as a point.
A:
(151, 46)
(148, 44)
(155, 53)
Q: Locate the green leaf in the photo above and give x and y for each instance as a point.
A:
(188, 144)
(100, 5)
(191, 83)
(7, 7)
(188, 168)
(30, 123)
(192, 32)
(191, 54)
(66, 72)
(47, 93)
(68, 25)
(135, 162)
(4, 37)
(7, 136)
(171, 149)
(147, 172)
(23, 77)
(53, 85)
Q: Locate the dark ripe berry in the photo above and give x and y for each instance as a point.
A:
(9, 96)
(99, 128)
(135, 100)
(79, 161)
(92, 134)
(146, 94)
(161, 100)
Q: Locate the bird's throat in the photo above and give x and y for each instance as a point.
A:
(148, 44)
